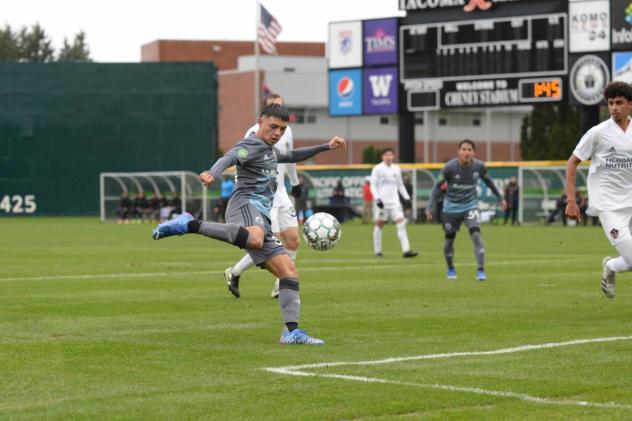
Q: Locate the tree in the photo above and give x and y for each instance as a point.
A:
(76, 52)
(9, 51)
(35, 45)
(550, 132)
(371, 155)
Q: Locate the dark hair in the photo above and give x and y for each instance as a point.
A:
(276, 111)
(387, 150)
(271, 97)
(618, 88)
(467, 142)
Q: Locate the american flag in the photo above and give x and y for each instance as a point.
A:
(267, 31)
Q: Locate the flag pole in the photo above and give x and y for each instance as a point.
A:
(256, 74)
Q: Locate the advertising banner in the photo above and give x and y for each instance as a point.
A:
(380, 90)
(622, 66)
(621, 12)
(380, 42)
(589, 28)
(588, 77)
(345, 44)
(345, 92)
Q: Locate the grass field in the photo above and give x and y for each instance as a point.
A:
(100, 322)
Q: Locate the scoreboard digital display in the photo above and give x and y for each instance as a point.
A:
(501, 47)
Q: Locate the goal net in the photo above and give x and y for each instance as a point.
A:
(151, 196)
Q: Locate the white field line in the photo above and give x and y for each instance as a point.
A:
(301, 269)
(299, 370)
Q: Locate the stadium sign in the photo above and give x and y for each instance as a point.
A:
(345, 92)
(589, 28)
(588, 78)
(467, 5)
(345, 44)
(380, 90)
(380, 42)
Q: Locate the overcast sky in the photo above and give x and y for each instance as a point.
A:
(116, 29)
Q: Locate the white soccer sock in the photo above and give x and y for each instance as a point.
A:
(377, 239)
(403, 236)
(622, 263)
(244, 264)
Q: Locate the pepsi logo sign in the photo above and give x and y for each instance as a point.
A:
(345, 87)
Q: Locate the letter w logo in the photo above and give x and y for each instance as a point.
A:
(473, 4)
(380, 84)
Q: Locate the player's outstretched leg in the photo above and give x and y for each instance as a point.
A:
(233, 273)
(479, 252)
(448, 254)
(176, 226)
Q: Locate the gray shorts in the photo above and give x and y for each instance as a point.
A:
(246, 216)
(452, 221)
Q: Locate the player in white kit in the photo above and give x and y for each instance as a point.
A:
(283, 215)
(386, 183)
(609, 146)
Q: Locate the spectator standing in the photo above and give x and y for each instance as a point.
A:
(301, 200)
(367, 204)
(124, 209)
(512, 192)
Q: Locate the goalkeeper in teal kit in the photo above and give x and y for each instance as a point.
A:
(459, 206)
(248, 212)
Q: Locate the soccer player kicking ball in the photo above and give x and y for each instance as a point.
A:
(609, 145)
(248, 212)
(283, 215)
(386, 182)
(462, 175)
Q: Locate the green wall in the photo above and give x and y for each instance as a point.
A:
(63, 124)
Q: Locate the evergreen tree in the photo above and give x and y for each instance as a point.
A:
(9, 51)
(550, 132)
(35, 45)
(76, 52)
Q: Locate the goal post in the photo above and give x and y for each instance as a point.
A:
(181, 188)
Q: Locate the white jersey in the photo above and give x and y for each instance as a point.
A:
(610, 173)
(386, 182)
(286, 143)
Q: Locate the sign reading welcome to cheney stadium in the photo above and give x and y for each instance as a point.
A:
(467, 5)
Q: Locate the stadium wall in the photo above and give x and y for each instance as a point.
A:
(62, 124)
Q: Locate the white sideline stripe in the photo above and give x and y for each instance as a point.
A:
(297, 371)
(479, 391)
(523, 348)
(221, 271)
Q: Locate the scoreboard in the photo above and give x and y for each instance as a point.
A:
(508, 53)
(524, 46)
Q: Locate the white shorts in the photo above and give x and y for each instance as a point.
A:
(394, 213)
(283, 217)
(617, 225)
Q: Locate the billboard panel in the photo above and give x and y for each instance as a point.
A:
(345, 44)
(587, 79)
(380, 90)
(589, 28)
(380, 42)
(345, 92)
(622, 66)
(621, 13)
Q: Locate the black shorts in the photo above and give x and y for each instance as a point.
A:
(452, 221)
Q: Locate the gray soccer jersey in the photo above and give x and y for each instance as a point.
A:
(462, 182)
(256, 162)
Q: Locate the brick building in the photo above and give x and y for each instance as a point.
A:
(299, 73)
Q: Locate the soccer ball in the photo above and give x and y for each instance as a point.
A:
(322, 231)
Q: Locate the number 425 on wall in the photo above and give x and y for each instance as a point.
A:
(18, 204)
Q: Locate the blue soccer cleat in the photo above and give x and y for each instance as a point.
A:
(480, 275)
(177, 226)
(298, 337)
(451, 274)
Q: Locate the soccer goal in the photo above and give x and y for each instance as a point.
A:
(541, 188)
(152, 195)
